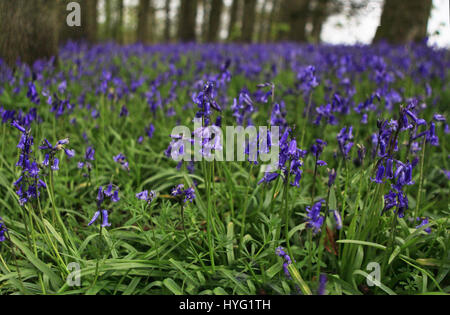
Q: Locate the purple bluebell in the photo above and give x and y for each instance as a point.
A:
(287, 260)
(424, 222)
(146, 195)
(122, 160)
(104, 215)
(182, 194)
(3, 231)
(315, 220)
(322, 284)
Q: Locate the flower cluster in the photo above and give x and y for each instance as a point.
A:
(50, 153)
(289, 162)
(88, 156)
(287, 261)
(146, 195)
(3, 230)
(29, 182)
(315, 219)
(182, 194)
(344, 140)
(122, 160)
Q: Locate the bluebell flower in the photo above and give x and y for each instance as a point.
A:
(424, 222)
(122, 160)
(315, 219)
(331, 177)
(3, 230)
(337, 219)
(287, 260)
(322, 284)
(180, 193)
(146, 195)
(380, 175)
(104, 214)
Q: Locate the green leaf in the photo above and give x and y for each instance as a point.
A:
(172, 286)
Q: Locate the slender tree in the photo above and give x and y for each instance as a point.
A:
(248, 20)
(234, 18)
(320, 14)
(272, 19)
(262, 25)
(108, 19)
(187, 20)
(214, 20)
(295, 14)
(167, 21)
(29, 30)
(404, 21)
(118, 23)
(143, 33)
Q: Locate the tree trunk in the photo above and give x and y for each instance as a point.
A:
(206, 9)
(262, 21)
(108, 19)
(143, 25)
(29, 30)
(187, 20)
(234, 18)
(248, 21)
(167, 22)
(89, 26)
(319, 17)
(404, 21)
(92, 20)
(295, 14)
(118, 25)
(214, 20)
(272, 20)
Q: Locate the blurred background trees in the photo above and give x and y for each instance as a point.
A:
(30, 28)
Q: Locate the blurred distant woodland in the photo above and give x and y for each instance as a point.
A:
(32, 29)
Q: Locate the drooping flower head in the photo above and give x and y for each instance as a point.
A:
(315, 219)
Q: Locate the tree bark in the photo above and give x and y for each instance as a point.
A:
(234, 18)
(262, 22)
(167, 22)
(272, 20)
(404, 21)
(248, 21)
(295, 14)
(187, 20)
(29, 30)
(214, 20)
(143, 25)
(118, 25)
(319, 16)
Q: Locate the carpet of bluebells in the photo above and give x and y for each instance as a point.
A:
(92, 201)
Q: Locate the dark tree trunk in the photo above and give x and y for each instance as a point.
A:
(295, 14)
(319, 17)
(29, 30)
(92, 20)
(144, 21)
(248, 21)
(214, 20)
(167, 22)
(118, 25)
(108, 19)
(89, 26)
(404, 21)
(272, 19)
(187, 20)
(234, 18)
